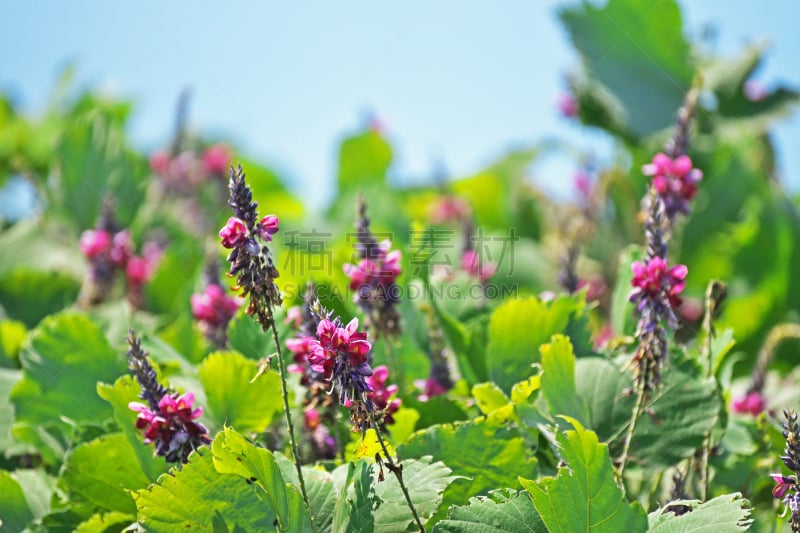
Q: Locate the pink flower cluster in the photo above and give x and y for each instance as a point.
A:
(430, 388)
(100, 246)
(382, 394)
(675, 180)
(343, 345)
(301, 348)
(752, 403)
(213, 307)
(234, 232)
(186, 169)
(382, 270)
(653, 280)
(172, 425)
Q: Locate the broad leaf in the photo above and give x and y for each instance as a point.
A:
(14, 511)
(723, 514)
(106, 522)
(488, 455)
(105, 471)
(12, 335)
(357, 500)
(30, 295)
(196, 496)
(230, 397)
(558, 380)
(502, 511)
(517, 329)
(584, 496)
(234, 455)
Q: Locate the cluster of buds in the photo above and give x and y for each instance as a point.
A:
(110, 251)
(213, 308)
(786, 488)
(374, 278)
(181, 172)
(167, 420)
(250, 259)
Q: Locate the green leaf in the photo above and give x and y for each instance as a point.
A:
(623, 319)
(51, 392)
(584, 496)
(517, 330)
(489, 397)
(106, 523)
(14, 511)
(8, 378)
(234, 455)
(502, 511)
(558, 380)
(364, 159)
(468, 343)
(723, 514)
(169, 289)
(30, 295)
(426, 482)
(489, 455)
(105, 471)
(246, 337)
(194, 496)
(319, 487)
(231, 398)
(12, 335)
(119, 395)
(357, 499)
(637, 51)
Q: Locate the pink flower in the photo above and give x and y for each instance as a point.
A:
(311, 419)
(233, 232)
(159, 162)
(783, 484)
(94, 242)
(381, 394)
(471, 264)
(335, 344)
(383, 270)
(213, 306)
(121, 248)
(449, 209)
(294, 316)
(653, 279)
(567, 105)
(430, 388)
(216, 159)
(268, 227)
(674, 180)
(137, 270)
(752, 403)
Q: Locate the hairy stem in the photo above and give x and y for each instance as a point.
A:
(287, 412)
(397, 470)
(637, 411)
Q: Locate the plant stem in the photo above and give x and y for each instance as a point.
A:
(715, 293)
(287, 412)
(397, 470)
(637, 411)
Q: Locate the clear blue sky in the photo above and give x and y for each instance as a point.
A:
(456, 82)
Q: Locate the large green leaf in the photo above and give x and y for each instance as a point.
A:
(680, 411)
(14, 511)
(105, 523)
(517, 330)
(357, 499)
(30, 295)
(234, 455)
(502, 511)
(320, 488)
(723, 514)
(197, 496)
(8, 378)
(171, 286)
(105, 471)
(558, 380)
(637, 51)
(12, 335)
(119, 395)
(489, 455)
(230, 396)
(63, 360)
(584, 496)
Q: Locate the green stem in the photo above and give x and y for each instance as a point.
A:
(287, 412)
(637, 411)
(397, 470)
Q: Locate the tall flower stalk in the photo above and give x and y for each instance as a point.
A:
(786, 487)
(251, 264)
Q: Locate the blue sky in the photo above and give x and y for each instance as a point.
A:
(455, 82)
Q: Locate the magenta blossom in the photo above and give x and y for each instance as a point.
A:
(233, 233)
(172, 425)
(675, 181)
(301, 348)
(654, 279)
(382, 270)
(567, 105)
(159, 162)
(340, 355)
(137, 270)
(268, 227)
(213, 306)
(782, 484)
(752, 403)
(382, 394)
(121, 248)
(94, 242)
(430, 388)
(471, 264)
(216, 159)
